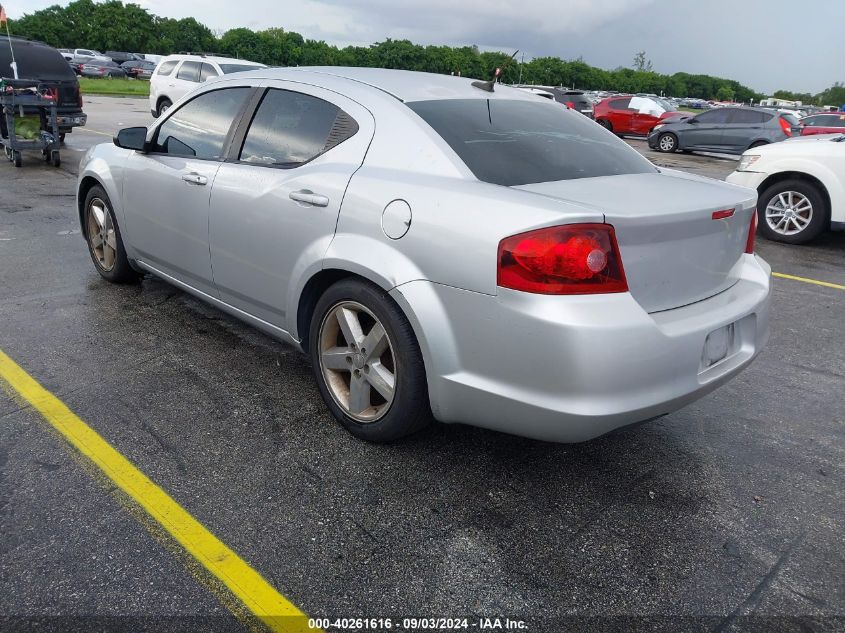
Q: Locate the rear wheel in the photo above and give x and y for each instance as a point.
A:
(367, 362)
(792, 211)
(17, 158)
(607, 125)
(104, 241)
(164, 106)
(667, 142)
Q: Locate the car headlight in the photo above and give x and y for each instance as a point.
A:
(658, 126)
(747, 161)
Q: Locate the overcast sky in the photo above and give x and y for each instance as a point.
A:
(764, 44)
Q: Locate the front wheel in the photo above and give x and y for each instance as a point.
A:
(367, 362)
(164, 106)
(667, 142)
(792, 211)
(104, 241)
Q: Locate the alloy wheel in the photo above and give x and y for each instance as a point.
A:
(789, 213)
(667, 143)
(101, 234)
(357, 361)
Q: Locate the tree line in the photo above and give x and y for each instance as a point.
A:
(113, 25)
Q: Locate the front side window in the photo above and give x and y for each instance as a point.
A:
(228, 69)
(291, 128)
(620, 104)
(167, 67)
(200, 127)
(207, 72)
(189, 71)
(515, 142)
(713, 116)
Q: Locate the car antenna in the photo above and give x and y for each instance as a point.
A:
(487, 86)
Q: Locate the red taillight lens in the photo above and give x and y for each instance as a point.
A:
(570, 105)
(562, 260)
(786, 126)
(752, 232)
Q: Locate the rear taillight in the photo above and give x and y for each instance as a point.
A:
(752, 232)
(786, 126)
(570, 105)
(562, 260)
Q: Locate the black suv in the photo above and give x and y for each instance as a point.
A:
(575, 100)
(40, 62)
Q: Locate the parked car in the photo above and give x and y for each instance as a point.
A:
(724, 130)
(801, 186)
(38, 61)
(627, 114)
(101, 69)
(120, 57)
(90, 54)
(176, 75)
(138, 69)
(833, 123)
(494, 282)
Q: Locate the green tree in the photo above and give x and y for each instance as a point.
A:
(725, 93)
(642, 64)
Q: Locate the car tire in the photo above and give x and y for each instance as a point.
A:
(808, 205)
(102, 234)
(163, 106)
(356, 384)
(607, 125)
(667, 143)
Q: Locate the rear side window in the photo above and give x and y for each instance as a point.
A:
(837, 121)
(719, 115)
(189, 71)
(515, 142)
(35, 61)
(790, 118)
(167, 67)
(748, 116)
(291, 128)
(200, 127)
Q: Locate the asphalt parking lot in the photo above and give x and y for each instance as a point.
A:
(727, 515)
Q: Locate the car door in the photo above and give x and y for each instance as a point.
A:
(742, 128)
(620, 115)
(274, 207)
(705, 130)
(646, 114)
(166, 191)
(185, 79)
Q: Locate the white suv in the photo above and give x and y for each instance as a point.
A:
(176, 75)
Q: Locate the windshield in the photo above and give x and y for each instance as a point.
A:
(228, 69)
(515, 142)
(790, 118)
(668, 106)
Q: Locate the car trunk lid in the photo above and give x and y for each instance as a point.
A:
(673, 250)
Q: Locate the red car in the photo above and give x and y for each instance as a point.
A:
(627, 114)
(825, 123)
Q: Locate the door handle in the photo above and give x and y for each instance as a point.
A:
(195, 179)
(306, 196)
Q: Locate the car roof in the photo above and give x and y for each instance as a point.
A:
(210, 58)
(405, 85)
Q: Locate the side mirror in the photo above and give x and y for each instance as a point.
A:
(132, 138)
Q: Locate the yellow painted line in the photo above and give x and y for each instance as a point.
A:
(826, 284)
(246, 584)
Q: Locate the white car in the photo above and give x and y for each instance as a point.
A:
(176, 75)
(801, 186)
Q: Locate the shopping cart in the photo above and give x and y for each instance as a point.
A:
(26, 98)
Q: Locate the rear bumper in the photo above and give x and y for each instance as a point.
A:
(569, 369)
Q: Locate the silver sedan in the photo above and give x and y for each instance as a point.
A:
(441, 248)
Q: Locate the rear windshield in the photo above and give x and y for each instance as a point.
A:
(35, 61)
(514, 142)
(228, 69)
(790, 118)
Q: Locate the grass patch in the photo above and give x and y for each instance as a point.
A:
(693, 110)
(115, 87)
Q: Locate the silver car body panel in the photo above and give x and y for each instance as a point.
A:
(552, 367)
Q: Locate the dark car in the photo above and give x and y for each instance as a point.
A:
(41, 62)
(138, 69)
(723, 130)
(574, 100)
(101, 69)
(119, 57)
